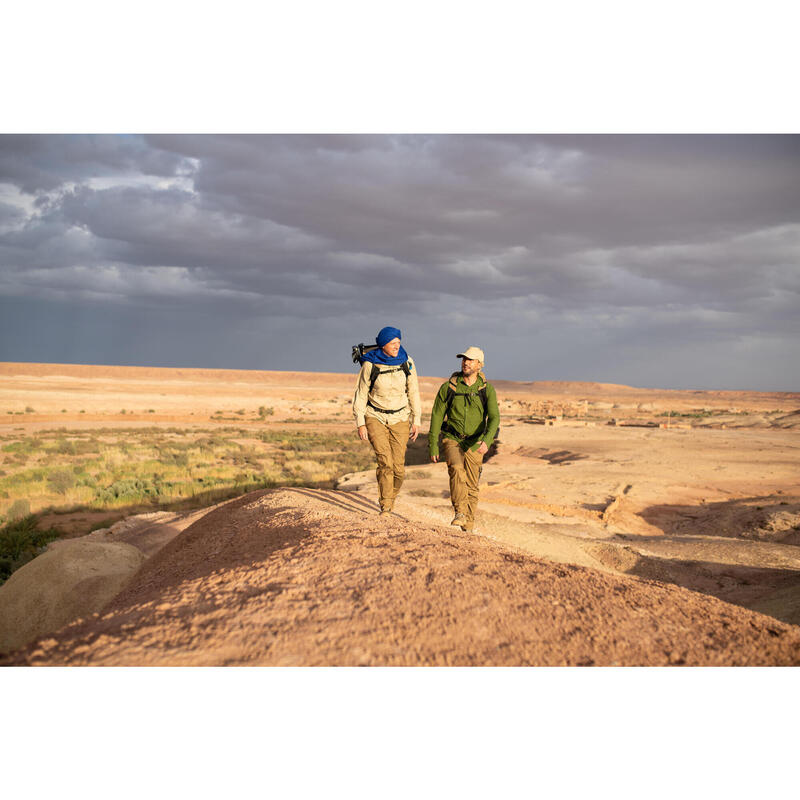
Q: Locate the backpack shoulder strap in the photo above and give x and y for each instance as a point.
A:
(451, 391)
(376, 370)
(373, 376)
(482, 394)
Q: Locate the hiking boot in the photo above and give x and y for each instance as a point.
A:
(460, 520)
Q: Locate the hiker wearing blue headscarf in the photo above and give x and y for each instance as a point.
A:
(387, 410)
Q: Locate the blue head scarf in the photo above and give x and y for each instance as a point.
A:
(379, 357)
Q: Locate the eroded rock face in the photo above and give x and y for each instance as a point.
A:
(61, 585)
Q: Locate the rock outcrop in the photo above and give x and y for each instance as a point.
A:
(73, 580)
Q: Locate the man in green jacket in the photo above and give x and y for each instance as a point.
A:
(465, 412)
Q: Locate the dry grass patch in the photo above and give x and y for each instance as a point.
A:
(131, 470)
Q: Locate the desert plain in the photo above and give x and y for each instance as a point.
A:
(210, 517)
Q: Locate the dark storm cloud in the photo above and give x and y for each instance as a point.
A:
(43, 163)
(598, 240)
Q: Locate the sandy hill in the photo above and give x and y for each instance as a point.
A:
(310, 577)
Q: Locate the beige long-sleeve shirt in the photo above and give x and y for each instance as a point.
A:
(391, 391)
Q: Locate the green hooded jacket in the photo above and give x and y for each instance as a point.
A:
(466, 422)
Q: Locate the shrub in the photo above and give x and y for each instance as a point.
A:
(23, 446)
(19, 509)
(21, 541)
(135, 490)
(29, 410)
(60, 480)
(25, 476)
(65, 447)
(264, 411)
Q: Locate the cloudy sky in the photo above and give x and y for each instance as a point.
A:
(664, 261)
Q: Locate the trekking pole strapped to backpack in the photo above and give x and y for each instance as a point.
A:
(360, 349)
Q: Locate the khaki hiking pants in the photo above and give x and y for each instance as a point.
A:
(464, 469)
(389, 443)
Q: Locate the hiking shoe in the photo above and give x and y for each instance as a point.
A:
(460, 520)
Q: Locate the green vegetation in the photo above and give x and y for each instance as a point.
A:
(703, 413)
(694, 414)
(20, 541)
(23, 446)
(130, 471)
(18, 510)
(60, 480)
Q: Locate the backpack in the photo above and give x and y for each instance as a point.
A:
(451, 393)
(376, 370)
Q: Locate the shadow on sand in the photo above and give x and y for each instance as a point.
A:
(217, 542)
(750, 529)
(767, 518)
(770, 590)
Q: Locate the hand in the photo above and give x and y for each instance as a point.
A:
(435, 459)
(414, 433)
(362, 433)
(482, 448)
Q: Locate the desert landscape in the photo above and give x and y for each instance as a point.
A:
(158, 516)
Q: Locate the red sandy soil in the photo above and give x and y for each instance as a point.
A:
(305, 577)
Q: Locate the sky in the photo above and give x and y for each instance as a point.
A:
(668, 261)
